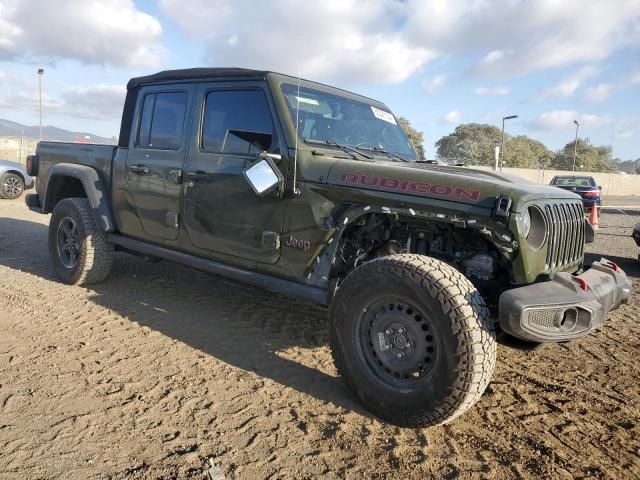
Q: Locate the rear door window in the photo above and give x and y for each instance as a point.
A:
(237, 122)
(162, 120)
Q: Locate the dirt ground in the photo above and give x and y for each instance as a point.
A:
(161, 368)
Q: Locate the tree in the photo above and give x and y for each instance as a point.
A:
(416, 137)
(524, 152)
(470, 143)
(589, 157)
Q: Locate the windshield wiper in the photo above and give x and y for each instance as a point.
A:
(391, 154)
(348, 149)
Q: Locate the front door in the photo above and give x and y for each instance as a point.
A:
(221, 211)
(156, 158)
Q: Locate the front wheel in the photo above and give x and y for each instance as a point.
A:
(78, 249)
(413, 339)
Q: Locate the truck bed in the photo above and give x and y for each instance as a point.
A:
(93, 155)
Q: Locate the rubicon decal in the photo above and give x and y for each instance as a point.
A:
(421, 188)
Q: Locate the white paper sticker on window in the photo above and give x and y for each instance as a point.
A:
(310, 101)
(382, 115)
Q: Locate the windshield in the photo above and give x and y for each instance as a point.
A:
(574, 181)
(324, 117)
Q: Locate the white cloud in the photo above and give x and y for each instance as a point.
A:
(492, 91)
(570, 84)
(563, 120)
(336, 40)
(95, 102)
(433, 84)
(495, 56)
(634, 78)
(627, 127)
(518, 37)
(453, 117)
(599, 93)
(91, 31)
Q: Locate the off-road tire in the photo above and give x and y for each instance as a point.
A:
(458, 318)
(8, 176)
(94, 255)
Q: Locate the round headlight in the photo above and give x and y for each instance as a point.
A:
(536, 235)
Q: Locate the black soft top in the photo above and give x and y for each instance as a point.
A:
(168, 76)
(187, 74)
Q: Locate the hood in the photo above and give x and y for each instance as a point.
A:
(456, 184)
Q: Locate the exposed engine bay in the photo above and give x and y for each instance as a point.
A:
(377, 235)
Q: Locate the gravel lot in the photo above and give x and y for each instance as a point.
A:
(161, 368)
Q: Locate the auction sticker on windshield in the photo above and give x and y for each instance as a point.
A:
(382, 115)
(310, 101)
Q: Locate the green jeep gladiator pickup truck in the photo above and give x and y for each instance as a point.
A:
(315, 192)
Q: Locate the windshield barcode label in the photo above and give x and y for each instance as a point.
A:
(382, 115)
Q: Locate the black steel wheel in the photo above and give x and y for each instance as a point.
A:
(413, 339)
(11, 186)
(397, 342)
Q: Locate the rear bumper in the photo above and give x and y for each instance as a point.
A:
(566, 307)
(33, 202)
(590, 202)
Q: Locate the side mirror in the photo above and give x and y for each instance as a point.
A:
(264, 176)
(599, 187)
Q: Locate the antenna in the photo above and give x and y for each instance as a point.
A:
(296, 191)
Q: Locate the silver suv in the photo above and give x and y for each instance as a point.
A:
(13, 180)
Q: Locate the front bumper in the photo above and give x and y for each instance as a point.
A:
(566, 307)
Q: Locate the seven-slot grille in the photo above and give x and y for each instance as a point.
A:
(565, 230)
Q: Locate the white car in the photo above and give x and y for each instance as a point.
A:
(13, 180)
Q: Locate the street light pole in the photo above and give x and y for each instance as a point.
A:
(40, 73)
(575, 145)
(502, 143)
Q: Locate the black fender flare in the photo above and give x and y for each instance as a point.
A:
(94, 188)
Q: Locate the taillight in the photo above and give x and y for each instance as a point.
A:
(592, 194)
(32, 165)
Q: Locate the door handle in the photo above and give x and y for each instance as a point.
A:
(140, 169)
(199, 177)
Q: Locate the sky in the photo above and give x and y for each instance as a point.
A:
(438, 63)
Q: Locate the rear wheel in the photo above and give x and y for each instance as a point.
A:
(413, 339)
(79, 251)
(11, 186)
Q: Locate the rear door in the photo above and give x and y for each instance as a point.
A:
(221, 211)
(154, 165)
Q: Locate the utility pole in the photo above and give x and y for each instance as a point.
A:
(575, 145)
(40, 73)
(20, 147)
(510, 117)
